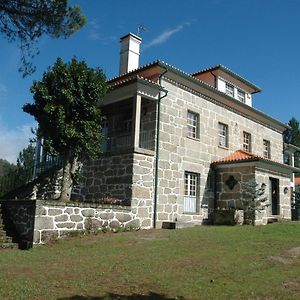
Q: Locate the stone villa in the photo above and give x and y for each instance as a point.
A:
(178, 145)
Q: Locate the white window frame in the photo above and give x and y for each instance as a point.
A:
(192, 125)
(229, 89)
(241, 95)
(246, 141)
(223, 134)
(266, 149)
(191, 192)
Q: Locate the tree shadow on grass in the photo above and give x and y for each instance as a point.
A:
(112, 296)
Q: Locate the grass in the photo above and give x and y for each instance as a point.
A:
(206, 262)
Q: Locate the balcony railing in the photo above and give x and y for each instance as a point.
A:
(20, 177)
(120, 141)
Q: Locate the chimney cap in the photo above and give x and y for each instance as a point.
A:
(130, 34)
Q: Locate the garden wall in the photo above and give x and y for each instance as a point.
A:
(39, 221)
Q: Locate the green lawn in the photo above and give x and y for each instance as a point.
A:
(205, 262)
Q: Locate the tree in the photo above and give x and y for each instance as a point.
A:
(6, 167)
(25, 164)
(66, 107)
(253, 200)
(295, 138)
(25, 159)
(26, 21)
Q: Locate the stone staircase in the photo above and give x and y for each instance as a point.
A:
(7, 233)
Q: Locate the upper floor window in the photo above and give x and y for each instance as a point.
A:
(229, 89)
(192, 125)
(267, 149)
(241, 95)
(223, 135)
(287, 158)
(246, 141)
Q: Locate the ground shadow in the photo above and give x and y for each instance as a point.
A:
(112, 296)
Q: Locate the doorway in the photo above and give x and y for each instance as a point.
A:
(274, 195)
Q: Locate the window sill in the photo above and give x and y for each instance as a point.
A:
(193, 139)
(222, 147)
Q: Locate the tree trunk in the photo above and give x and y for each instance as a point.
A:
(69, 170)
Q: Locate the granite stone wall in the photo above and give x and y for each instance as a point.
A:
(180, 153)
(38, 221)
(143, 187)
(22, 215)
(107, 180)
(53, 220)
(229, 196)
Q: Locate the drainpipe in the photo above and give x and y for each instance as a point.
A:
(216, 83)
(157, 150)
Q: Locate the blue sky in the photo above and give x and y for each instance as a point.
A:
(258, 39)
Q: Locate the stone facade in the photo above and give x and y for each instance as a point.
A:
(125, 174)
(179, 153)
(107, 180)
(229, 197)
(129, 178)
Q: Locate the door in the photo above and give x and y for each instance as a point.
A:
(274, 195)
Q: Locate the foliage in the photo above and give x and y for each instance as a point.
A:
(25, 159)
(296, 198)
(253, 200)
(25, 163)
(66, 107)
(294, 138)
(26, 21)
(6, 167)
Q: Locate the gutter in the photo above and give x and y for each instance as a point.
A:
(157, 149)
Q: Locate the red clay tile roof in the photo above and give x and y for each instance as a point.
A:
(297, 181)
(238, 156)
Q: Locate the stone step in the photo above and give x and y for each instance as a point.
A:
(272, 220)
(177, 225)
(180, 225)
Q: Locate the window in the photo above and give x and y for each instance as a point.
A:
(287, 159)
(267, 149)
(223, 135)
(246, 141)
(229, 89)
(192, 125)
(241, 96)
(191, 192)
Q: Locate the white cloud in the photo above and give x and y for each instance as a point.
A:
(13, 141)
(3, 88)
(95, 33)
(165, 35)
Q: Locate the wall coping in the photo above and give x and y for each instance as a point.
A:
(64, 204)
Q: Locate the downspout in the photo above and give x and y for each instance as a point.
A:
(157, 149)
(216, 83)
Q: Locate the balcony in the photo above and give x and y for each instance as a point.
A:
(124, 141)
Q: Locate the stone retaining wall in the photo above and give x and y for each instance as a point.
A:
(53, 220)
(38, 221)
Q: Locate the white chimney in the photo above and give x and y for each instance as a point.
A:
(130, 53)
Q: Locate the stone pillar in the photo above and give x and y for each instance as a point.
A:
(136, 120)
